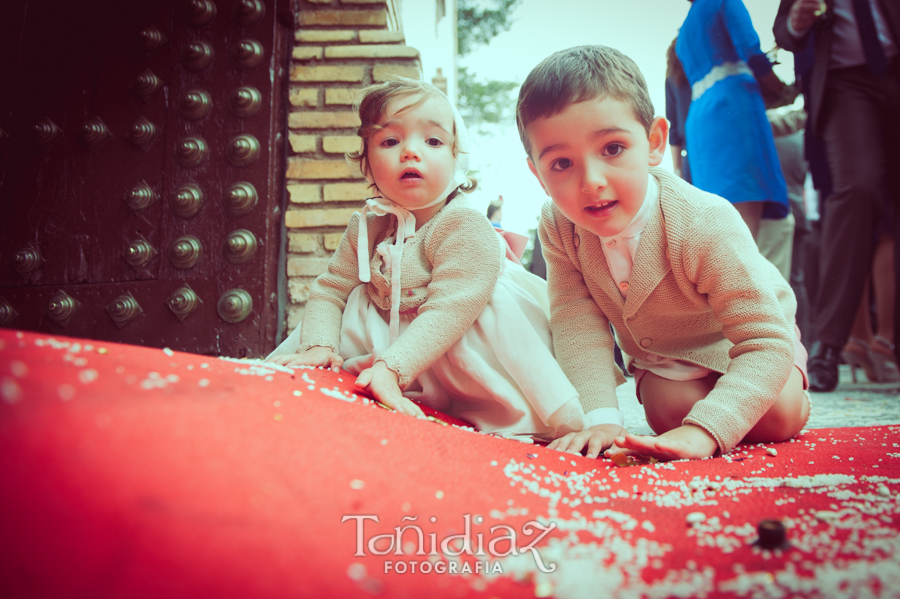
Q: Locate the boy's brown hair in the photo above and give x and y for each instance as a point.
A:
(579, 74)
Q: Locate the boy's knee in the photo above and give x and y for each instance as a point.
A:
(789, 413)
(667, 414)
(667, 403)
(661, 421)
(784, 421)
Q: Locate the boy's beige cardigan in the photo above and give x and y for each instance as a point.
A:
(700, 292)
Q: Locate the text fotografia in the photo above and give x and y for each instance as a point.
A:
(426, 567)
(503, 541)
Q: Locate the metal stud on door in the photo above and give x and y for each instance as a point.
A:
(248, 12)
(124, 309)
(240, 246)
(246, 54)
(140, 197)
(145, 85)
(185, 252)
(243, 150)
(198, 56)
(150, 39)
(191, 151)
(245, 101)
(46, 133)
(187, 200)
(241, 198)
(235, 305)
(183, 301)
(200, 12)
(62, 308)
(142, 133)
(139, 253)
(195, 104)
(94, 132)
(7, 313)
(27, 260)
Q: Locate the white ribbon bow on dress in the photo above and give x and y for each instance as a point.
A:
(406, 221)
(406, 227)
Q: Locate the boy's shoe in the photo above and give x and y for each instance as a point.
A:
(823, 367)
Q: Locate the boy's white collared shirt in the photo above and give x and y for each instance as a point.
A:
(620, 251)
(621, 248)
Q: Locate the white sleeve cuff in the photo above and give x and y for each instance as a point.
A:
(605, 416)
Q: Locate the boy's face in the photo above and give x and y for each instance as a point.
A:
(593, 158)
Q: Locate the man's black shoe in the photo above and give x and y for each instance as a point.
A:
(823, 367)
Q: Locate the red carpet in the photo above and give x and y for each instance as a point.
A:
(135, 472)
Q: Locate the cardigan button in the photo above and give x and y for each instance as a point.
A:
(646, 342)
(577, 240)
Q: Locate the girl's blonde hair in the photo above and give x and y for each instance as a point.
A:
(371, 103)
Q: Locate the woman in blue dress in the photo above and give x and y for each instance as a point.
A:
(729, 139)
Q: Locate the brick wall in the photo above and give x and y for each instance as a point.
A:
(340, 46)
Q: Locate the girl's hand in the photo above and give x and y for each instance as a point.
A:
(596, 438)
(384, 384)
(685, 442)
(314, 356)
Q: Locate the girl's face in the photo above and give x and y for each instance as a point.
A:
(411, 156)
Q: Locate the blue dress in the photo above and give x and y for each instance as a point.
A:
(729, 140)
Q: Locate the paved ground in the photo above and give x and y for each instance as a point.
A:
(851, 404)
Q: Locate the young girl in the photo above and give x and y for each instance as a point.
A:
(419, 299)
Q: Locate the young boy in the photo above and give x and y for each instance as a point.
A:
(706, 323)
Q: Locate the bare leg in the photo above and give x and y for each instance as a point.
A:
(881, 351)
(856, 350)
(883, 283)
(786, 417)
(666, 403)
(862, 324)
(751, 212)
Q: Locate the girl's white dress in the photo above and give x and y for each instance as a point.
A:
(501, 376)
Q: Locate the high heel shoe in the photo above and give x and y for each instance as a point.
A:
(881, 354)
(857, 354)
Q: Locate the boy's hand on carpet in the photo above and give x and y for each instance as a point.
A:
(685, 442)
(314, 356)
(384, 384)
(595, 439)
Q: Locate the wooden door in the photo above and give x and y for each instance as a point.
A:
(141, 169)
